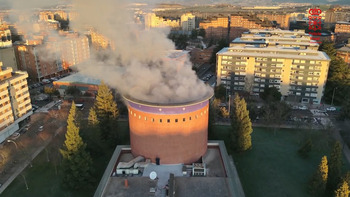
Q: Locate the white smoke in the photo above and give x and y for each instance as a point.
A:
(138, 66)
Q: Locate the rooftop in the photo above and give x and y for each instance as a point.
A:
(274, 52)
(79, 78)
(221, 178)
(344, 48)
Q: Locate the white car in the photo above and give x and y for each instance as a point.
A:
(331, 109)
(303, 107)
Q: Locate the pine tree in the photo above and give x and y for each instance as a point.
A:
(105, 104)
(107, 113)
(335, 164)
(343, 190)
(241, 125)
(76, 161)
(318, 182)
(92, 119)
(73, 140)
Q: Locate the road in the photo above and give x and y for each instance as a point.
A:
(16, 156)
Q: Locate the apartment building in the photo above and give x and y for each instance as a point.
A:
(7, 53)
(281, 19)
(188, 22)
(344, 53)
(15, 103)
(216, 27)
(342, 27)
(268, 58)
(153, 21)
(233, 25)
(52, 58)
(342, 31)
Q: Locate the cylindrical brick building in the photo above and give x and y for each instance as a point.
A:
(174, 133)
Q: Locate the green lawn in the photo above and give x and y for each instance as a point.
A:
(43, 181)
(273, 167)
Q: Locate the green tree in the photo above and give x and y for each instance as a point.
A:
(318, 181)
(76, 161)
(92, 119)
(73, 91)
(201, 32)
(335, 164)
(343, 190)
(194, 34)
(241, 125)
(305, 148)
(220, 45)
(271, 94)
(51, 91)
(338, 76)
(220, 92)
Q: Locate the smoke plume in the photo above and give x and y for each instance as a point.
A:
(140, 65)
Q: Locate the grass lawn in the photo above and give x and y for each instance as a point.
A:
(43, 181)
(273, 167)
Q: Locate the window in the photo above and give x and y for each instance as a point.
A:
(176, 120)
(145, 118)
(152, 119)
(184, 119)
(168, 120)
(190, 118)
(160, 120)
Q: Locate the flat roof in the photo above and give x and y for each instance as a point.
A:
(344, 48)
(249, 51)
(221, 179)
(79, 78)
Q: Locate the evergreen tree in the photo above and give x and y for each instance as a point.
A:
(318, 182)
(241, 125)
(335, 164)
(93, 120)
(107, 113)
(343, 190)
(73, 140)
(105, 104)
(76, 161)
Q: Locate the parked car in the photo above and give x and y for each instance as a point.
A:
(46, 81)
(41, 128)
(303, 107)
(295, 107)
(331, 109)
(15, 135)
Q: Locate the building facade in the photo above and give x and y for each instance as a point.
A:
(282, 19)
(342, 31)
(262, 58)
(344, 53)
(188, 22)
(52, 58)
(15, 104)
(153, 21)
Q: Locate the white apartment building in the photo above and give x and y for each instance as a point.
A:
(15, 105)
(287, 60)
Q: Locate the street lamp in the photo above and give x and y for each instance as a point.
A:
(333, 95)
